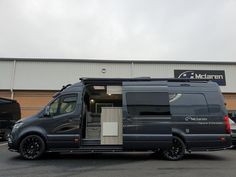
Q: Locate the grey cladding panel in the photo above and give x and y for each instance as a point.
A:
(159, 86)
(191, 89)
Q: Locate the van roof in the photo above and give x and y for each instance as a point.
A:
(5, 100)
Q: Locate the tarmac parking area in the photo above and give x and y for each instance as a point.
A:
(210, 164)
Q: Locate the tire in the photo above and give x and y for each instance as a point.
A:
(176, 151)
(32, 147)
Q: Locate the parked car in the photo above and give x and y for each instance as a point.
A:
(9, 114)
(233, 131)
(168, 116)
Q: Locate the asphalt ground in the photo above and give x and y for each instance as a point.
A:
(209, 164)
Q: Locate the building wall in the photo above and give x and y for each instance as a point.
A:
(31, 102)
(167, 70)
(33, 82)
(230, 100)
(51, 75)
(6, 68)
(37, 75)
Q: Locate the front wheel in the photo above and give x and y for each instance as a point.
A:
(176, 151)
(32, 147)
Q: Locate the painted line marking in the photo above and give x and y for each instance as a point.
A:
(3, 144)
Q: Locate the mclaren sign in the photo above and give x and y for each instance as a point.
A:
(217, 76)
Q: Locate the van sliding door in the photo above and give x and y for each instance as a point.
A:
(147, 119)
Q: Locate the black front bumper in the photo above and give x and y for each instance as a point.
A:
(2, 132)
(234, 141)
(12, 146)
(233, 137)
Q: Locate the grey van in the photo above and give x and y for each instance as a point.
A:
(167, 116)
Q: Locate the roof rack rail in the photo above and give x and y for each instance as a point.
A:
(143, 77)
(119, 80)
(63, 88)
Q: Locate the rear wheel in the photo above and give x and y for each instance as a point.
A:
(32, 147)
(176, 151)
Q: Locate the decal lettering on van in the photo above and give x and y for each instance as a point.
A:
(189, 118)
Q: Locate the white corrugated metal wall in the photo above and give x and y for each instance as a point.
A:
(51, 75)
(167, 70)
(6, 68)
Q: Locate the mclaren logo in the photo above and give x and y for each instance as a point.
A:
(217, 76)
(187, 74)
(194, 75)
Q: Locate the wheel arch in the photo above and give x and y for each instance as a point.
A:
(38, 131)
(179, 134)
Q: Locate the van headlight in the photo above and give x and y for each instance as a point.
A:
(18, 125)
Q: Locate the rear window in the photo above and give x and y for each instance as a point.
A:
(147, 103)
(188, 104)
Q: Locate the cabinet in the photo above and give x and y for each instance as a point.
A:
(111, 126)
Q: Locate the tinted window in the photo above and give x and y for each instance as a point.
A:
(67, 104)
(63, 105)
(188, 104)
(151, 103)
(53, 110)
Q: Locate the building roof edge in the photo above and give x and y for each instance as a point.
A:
(144, 61)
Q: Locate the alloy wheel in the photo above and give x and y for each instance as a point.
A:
(32, 147)
(176, 151)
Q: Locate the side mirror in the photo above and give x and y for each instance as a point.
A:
(46, 111)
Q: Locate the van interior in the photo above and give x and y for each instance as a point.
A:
(102, 115)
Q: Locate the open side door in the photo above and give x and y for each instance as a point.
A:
(147, 118)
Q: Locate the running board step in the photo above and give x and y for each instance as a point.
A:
(91, 149)
(89, 142)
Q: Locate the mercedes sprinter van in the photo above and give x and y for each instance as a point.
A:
(169, 116)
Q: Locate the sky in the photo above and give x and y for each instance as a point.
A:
(119, 29)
